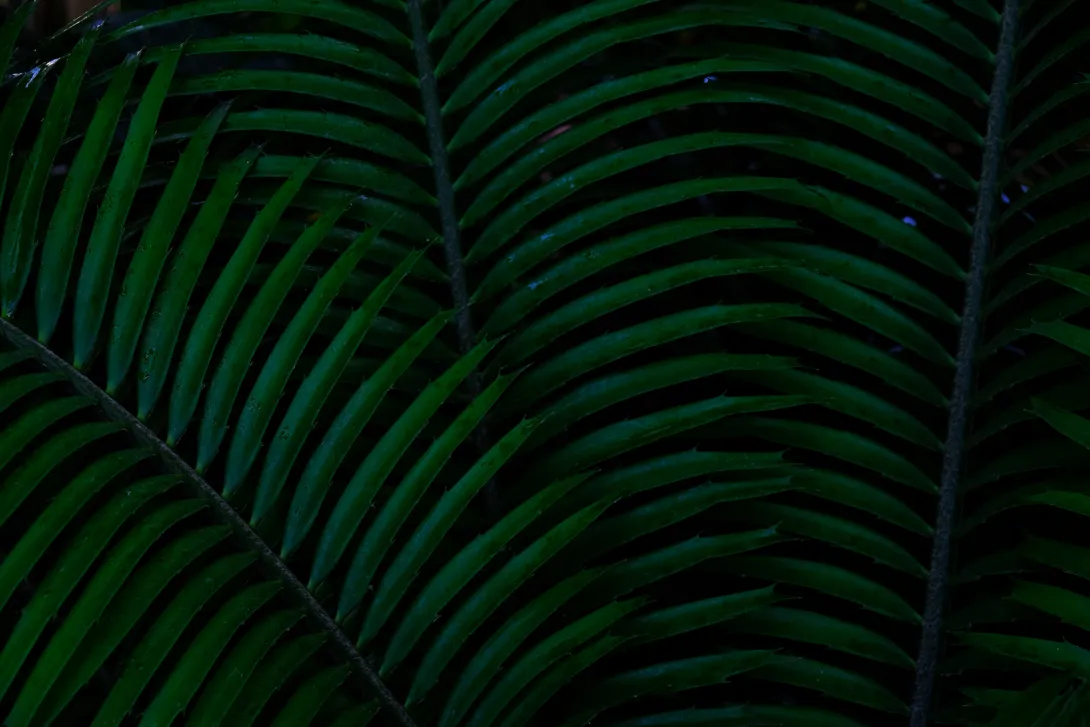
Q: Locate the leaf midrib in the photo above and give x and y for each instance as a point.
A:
(221, 509)
(961, 398)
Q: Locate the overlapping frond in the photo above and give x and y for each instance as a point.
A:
(115, 565)
(1022, 583)
(602, 223)
(569, 362)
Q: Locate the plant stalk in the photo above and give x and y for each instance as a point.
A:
(960, 400)
(448, 219)
(220, 508)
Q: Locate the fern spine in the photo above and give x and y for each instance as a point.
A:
(961, 397)
(223, 511)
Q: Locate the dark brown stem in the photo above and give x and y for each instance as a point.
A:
(448, 219)
(960, 400)
(223, 511)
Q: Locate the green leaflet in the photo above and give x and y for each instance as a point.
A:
(100, 258)
(1070, 425)
(78, 558)
(274, 670)
(249, 332)
(602, 256)
(862, 272)
(850, 400)
(665, 470)
(1056, 655)
(392, 216)
(743, 716)
(860, 495)
(1042, 493)
(317, 477)
(312, 393)
(358, 716)
(537, 248)
(626, 436)
(697, 615)
(549, 117)
(324, 87)
(867, 309)
(163, 328)
(833, 681)
(163, 634)
(1074, 280)
(358, 495)
(190, 670)
(11, 358)
(16, 107)
(363, 58)
(479, 24)
(224, 686)
(829, 579)
(534, 160)
(353, 173)
(1054, 700)
(429, 533)
(852, 352)
(838, 531)
(1032, 457)
(613, 389)
(1071, 395)
(21, 225)
(21, 483)
(197, 354)
(631, 574)
(308, 699)
(546, 378)
(1072, 336)
(538, 695)
(1039, 363)
(18, 387)
(511, 220)
(51, 523)
(9, 33)
(807, 626)
(126, 609)
(872, 222)
(676, 676)
(462, 567)
(350, 130)
(894, 47)
(1067, 605)
(332, 11)
(1056, 554)
(941, 24)
(665, 511)
(839, 444)
(147, 263)
(92, 605)
(269, 387)
(588, 308)
(545, 653)
(504, 641)
(379, 536)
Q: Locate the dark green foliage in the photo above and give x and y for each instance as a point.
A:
(498, 363)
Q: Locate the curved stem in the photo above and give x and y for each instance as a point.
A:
(222, 510)
(953, 455)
